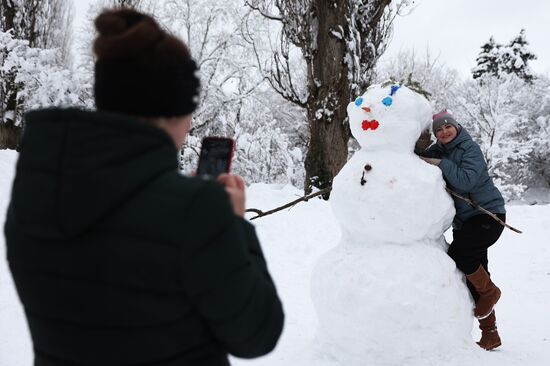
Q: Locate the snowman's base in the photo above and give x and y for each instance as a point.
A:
(408, 301)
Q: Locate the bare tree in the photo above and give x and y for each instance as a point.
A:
(340, 41)
(44, 24)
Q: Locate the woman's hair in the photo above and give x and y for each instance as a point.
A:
(141, 69)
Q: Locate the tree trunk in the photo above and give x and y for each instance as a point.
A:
(9, 135)
(9, 132)
(328, 151)
(8, 15)
(329, 95)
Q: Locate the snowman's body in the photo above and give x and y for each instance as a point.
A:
(403, 199)
(389, 285)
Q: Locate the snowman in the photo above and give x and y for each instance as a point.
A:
(388, 291)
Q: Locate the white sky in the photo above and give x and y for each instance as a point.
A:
(456, 29)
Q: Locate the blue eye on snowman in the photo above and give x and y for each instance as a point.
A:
(388, 101)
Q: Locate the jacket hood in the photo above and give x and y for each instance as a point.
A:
(75, 167)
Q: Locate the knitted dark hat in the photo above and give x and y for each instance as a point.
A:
(442, 118)
(140, 69)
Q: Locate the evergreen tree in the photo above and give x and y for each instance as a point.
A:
(495, 60)
(515, 58)
(488, 60)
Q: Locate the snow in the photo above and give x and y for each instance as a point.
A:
(293, 240)
(339, 33)
(15, 344)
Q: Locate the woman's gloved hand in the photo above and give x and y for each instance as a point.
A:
(423, 142)
(432, 161)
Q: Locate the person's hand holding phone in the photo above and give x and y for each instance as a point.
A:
(215, 163)
(234, 186)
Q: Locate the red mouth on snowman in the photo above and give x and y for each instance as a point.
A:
(370, 125)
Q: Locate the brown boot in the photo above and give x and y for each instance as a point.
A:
(489, 335)
(488, 292)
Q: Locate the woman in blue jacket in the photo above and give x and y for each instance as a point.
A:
(465, 171)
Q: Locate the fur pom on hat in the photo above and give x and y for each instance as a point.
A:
(141, 69)
(442, 118)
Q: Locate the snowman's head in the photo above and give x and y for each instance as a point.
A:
(389, 118)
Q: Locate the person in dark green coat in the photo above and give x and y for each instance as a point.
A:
(465, 171)
(119, 259)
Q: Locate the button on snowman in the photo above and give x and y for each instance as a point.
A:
(389, 287)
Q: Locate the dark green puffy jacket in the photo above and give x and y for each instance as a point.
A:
(120, 260)
(465, 171)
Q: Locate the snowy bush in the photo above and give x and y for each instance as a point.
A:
(264, 150)
(39, 80)
(235, 99)
(502, 114)
(538, 109)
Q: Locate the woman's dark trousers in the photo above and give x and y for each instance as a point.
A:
(470, 244)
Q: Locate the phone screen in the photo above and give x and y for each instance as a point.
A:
(215, 156)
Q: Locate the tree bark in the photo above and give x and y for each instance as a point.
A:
(329, 95)
(328, 150)
(9, 135)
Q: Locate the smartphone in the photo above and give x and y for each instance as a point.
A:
(215, 156)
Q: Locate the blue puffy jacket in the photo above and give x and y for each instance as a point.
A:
(465, 172)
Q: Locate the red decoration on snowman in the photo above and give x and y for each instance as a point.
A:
(372, 125)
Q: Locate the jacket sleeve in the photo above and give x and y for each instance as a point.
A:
(226, 277)
(465, 174)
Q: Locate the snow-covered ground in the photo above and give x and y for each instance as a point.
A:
(294, 239)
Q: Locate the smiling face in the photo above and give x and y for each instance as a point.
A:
(446, 133)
